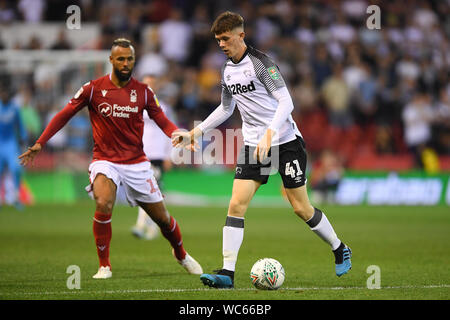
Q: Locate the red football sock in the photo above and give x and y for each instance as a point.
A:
(102, 235)
(173, 234)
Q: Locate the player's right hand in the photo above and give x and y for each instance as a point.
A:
(183, 139)
(29, 155)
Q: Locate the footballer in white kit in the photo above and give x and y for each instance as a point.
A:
(157, 148)
(252, 82)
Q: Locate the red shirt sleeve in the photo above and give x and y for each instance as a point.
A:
(155, 112)
(78, 102)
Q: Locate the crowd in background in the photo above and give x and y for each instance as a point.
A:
(355, 90)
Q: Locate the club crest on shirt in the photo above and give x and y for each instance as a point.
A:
(133, 96)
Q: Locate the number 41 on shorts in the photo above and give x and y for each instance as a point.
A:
(291, 170)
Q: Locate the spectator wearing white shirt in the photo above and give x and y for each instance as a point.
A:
(417, 118)
(175, 37)
(32, 10)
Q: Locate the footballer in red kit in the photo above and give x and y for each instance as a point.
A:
(117, 118)
(116, 103)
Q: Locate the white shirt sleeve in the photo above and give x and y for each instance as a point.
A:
(217, 117)
(284, 109)
(222, 112)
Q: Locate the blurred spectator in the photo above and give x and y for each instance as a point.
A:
(32, 10)
(152, 62)
(441, 128)
(355, 11)
(201, 36)
(355, 72)
(341, 31)
(365, 97)
(12, 136)
(325, 176)
(190, 90)
(7, 14)
(62, 43)
(28, 113)
(78, 132)
(417, 117)
(34, 44)
(424, 17)
(321, 65)
(384, 140)
(133, 23)
(158, 11)
(175, 36)
(407, 68)
(336, 95)
(304, 95)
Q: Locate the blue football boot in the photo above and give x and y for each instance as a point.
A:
(343, 261)
(221, 279)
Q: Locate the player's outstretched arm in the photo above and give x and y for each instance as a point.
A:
(28, 156)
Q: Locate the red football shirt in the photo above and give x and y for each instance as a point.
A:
(116, 116)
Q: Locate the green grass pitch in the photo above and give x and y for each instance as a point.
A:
(410, 245)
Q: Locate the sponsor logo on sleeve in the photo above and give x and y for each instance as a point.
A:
(274, 74)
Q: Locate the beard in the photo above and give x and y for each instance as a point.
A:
(121, 76)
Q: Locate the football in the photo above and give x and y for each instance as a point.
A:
(267, 274)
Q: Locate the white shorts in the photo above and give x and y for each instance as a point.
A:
(134, 182)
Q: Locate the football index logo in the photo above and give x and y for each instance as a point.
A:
(105, 109)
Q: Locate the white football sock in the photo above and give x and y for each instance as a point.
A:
(143, 219)
(142, 216)
(233, 235)
(322, 227)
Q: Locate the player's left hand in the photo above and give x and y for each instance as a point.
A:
(263, 147)
(28, 156)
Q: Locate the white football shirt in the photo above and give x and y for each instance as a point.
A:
(157, 146)
(256, 86)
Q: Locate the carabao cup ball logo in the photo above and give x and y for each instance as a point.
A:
(105, 109)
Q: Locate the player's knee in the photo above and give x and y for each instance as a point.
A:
(237, 208)
(104, 205)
